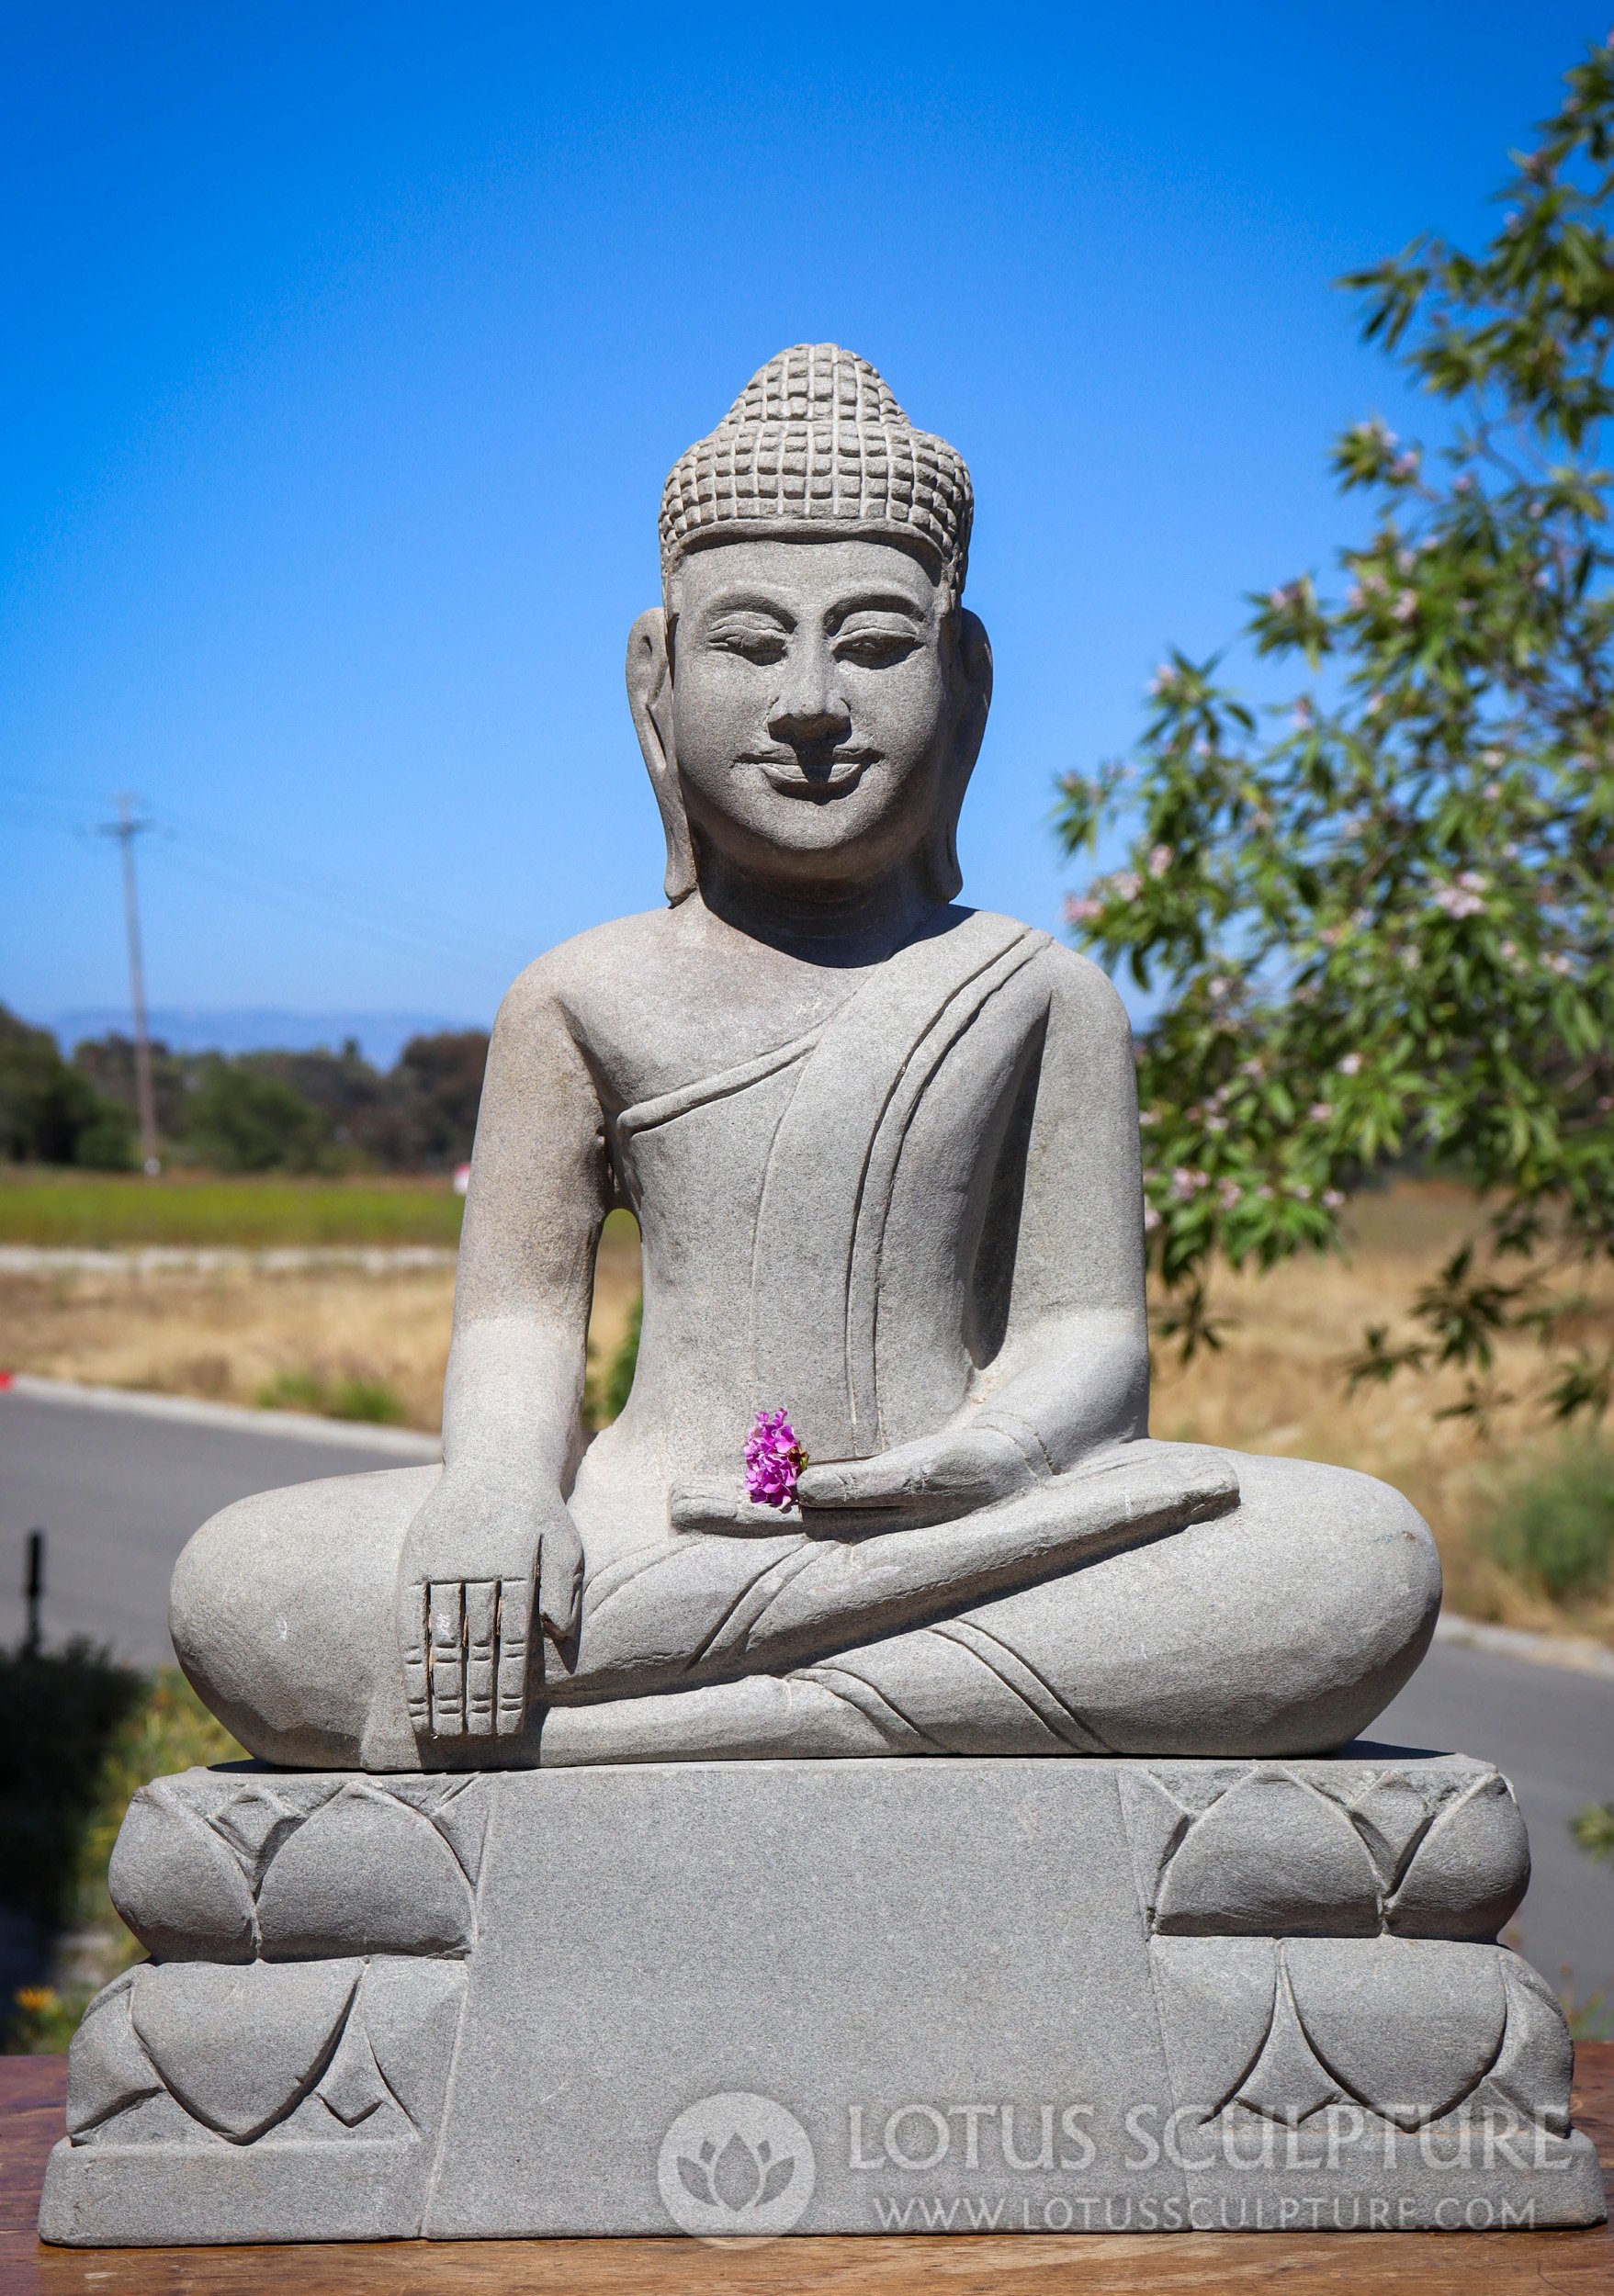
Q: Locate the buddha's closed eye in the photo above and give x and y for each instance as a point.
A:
(877, 649)
(756, 637)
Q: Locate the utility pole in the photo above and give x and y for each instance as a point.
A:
(126, 828)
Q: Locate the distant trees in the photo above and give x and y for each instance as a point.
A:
(239, 1119)
(435, 1090)
(51, 1112)
(269, 1111)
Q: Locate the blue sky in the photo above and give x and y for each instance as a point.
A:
(345, 347)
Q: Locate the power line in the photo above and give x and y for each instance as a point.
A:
(316, 895)
(309, 909)
(414, 918)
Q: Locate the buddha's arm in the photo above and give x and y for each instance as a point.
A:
(495, 1540)
(1072, 1373)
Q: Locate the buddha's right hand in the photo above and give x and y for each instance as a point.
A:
(478, 1564)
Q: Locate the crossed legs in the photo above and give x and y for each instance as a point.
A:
(1280, 1628)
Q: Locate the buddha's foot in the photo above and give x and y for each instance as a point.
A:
(749, 1997)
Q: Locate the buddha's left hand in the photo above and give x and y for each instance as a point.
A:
(950, 1473)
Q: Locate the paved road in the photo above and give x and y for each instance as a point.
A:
(119, 1491)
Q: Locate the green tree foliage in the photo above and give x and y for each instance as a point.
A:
(435, 1090)
(108, 1062)
(348, 1091)
(299, 1111)
(241, 1119)
(1379, 919)
(59, 1712)
(50, 1113)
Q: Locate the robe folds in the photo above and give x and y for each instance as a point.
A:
(818, 1237)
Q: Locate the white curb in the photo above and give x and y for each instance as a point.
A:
(405, 1443)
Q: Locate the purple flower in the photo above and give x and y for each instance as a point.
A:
(774, 1458)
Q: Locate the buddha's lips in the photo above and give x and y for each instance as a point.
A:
(840, 772)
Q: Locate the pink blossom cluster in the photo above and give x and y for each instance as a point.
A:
(1124, 885)
(773, 1459)
(1466, 898)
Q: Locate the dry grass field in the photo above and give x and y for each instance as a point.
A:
(239, 1336)
(1276, 1386)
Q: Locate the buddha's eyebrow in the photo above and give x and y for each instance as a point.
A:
(872, 602)
(750, 602)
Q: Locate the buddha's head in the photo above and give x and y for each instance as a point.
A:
(811, 695)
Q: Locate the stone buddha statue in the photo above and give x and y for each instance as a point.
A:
(543, 1912)
(882, 1152)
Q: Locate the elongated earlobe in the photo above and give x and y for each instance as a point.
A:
(649, 697)
(973, 671)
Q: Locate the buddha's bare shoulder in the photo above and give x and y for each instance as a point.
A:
(1081, 994)
(624, 952)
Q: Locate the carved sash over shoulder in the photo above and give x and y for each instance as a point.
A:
(821, 1225)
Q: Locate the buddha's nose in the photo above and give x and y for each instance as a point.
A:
(808, 713)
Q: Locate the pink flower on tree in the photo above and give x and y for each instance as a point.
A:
(774, 1458)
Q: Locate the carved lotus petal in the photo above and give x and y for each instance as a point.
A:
(1286, 2082)
(176, 1886)
(1537, 2063)
(1270, 1859)
(1390, 1816)
(411, 2011)
(1470, 1871)
(735, 2177)
(1155, 1824)
(240, 2048)
(107, 2068)
(366, 1874)
(1215, 1997)
(352, 2086)
(255, 1822)
(1408, 2026)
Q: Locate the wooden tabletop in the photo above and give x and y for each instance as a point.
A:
(1365, 2264)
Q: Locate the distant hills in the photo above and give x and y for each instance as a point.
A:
(381, 1036)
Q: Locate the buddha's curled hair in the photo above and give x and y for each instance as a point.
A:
(817, 445)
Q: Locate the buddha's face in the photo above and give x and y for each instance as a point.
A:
(818, 698)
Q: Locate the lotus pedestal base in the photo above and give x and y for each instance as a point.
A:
(807, 1997)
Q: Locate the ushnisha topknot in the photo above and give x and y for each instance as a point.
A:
(817, 445)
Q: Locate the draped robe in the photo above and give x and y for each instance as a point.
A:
(828, 1228)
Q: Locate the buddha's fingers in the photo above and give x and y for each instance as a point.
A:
(448, 1661)
(515, 1611)
(414, 1634)
(559, 1587)
(481, 1625)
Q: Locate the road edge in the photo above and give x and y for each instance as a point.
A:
(407, 1443)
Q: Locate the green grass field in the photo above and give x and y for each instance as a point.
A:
(90, 1210)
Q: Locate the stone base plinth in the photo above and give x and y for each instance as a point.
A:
(822, 1998)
